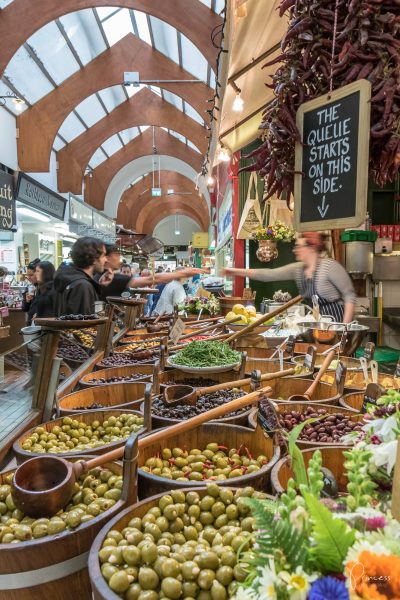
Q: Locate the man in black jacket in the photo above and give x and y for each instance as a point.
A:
(76, 290)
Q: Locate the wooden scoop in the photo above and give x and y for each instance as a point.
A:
(186, 394)
(43, 485)
(310, 390)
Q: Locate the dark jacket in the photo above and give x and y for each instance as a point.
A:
(75, 292)
(45, 298)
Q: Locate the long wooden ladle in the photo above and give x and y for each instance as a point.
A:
(43, 485)
(311, 389)
(187, 394)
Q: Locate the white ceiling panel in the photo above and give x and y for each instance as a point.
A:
(4, 3)
(193, 114)
(59, 62)
(82, 29)
(97, 158)
(58, 144)
(112, 96)
(91, 110)
(193, 60)
(26, 76)
(118, 26)
(112, 145)
(129, 134)
(142, 25)
(193, 147)
(165, 38)
(71, 128)
(173, 99)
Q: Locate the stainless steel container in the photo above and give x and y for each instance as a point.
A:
(386, 267)
(359, 257)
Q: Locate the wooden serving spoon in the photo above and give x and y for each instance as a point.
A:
(43, 485)
(310, 390)
(187, 394)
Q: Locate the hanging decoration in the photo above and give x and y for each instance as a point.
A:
(268, 237)
(328, 45)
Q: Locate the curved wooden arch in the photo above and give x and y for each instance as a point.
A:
(39, 124)
(20, 19)
(150, 216)
(96, 185)
(73, 159)
(138, 197)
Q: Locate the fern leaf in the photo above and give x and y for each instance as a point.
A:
(277, 536)
(332, 536)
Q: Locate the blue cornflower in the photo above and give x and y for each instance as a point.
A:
(328, 588)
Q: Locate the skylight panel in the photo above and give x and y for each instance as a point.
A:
(26, 76)
(71, 128)
(91, 110)
(118, 26)
(193, 60)
(165, 39)
(82, 30)
(142, 25)
(112, 145)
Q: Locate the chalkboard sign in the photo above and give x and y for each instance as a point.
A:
(8, 219)
(332, 162)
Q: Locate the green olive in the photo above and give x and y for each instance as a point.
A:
(224, 575)
(239, 573)
(218, 591)
(148, 578)
(108, 570)
(205, 579)
(189, 570)
(133, 592)
(171, 587)
(119, 582)
(170, 568)
(131, 555)
(149, 554)
(208, 560)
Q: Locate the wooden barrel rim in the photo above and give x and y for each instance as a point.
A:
(25, 455)
(76, 395)
(275, 469)
(343, 403)
(84, 382)
(151, 361)
(99, 585)
(39, 550)
(223, 421)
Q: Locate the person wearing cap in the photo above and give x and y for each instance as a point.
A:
(122, 283)
(315, 275)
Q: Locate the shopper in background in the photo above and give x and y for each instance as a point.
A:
(44, 304)
(29, 296)
(315, 275)
(135, 268)
(173, 293)
(148, 307)
(125, 269)
(76, 290)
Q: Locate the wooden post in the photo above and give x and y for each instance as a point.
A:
(45, 366)
(396, 485)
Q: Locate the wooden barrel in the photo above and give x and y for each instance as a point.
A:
(87, 417)
(102, 364)
(56, 567)
(242, 419)
(117, 395)
(228, 302)
(140, 337)
(301, 407)
(271, 365)
(353, 401)
(171, 375)
(355, 380)
(351, 364)
(231, 436)
(302, 347)
(256, 352)
(93, 379)
(285, 387)
(332, 459)
(101, 591)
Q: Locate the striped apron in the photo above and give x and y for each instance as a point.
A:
(335, 309)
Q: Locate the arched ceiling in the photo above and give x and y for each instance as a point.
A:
(137, 199)
(96, 183)
(66, 61)
(136, 168)
(166, 228)
(39, 124)
(149, 217)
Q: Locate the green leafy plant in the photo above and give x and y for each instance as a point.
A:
(360, 486)
(332, 537)
(276, 538)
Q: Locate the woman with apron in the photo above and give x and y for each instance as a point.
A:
(318, 278)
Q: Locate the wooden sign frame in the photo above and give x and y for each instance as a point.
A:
(364, 88)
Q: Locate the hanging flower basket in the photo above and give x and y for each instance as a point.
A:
(267, 250)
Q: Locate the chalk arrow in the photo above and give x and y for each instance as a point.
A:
(323, 209)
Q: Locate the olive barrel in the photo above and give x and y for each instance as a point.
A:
(271, 365)
(143, 372)
(101, 590)
(332, 459)
(88, 418)
(118, 395)
(284, 407)
(229, 436)
(353, 401)
(355, 380)
(242, 418)
(55, 567)
(283, 388)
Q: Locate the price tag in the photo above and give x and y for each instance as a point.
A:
(340, 376)
(397, 370)
(4, 311)
(289, 349)
(309, 359)
(177, 331)
(247, 294)
(280, 353)
(372, 393)
(267, 418)
(369, 351)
